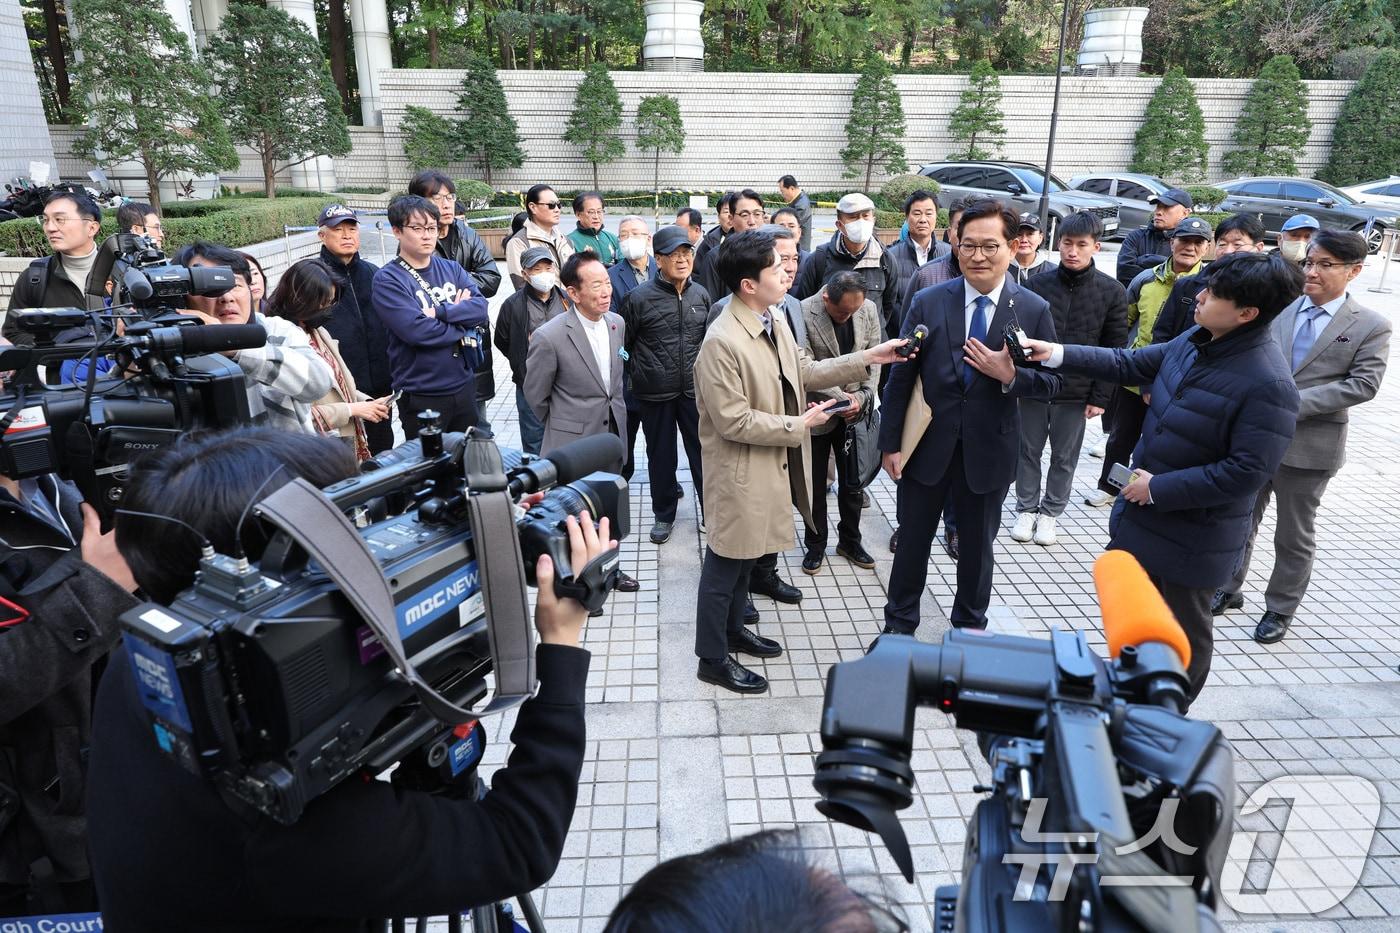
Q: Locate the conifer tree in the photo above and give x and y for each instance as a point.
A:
(875, 128)
(488, 133)
(596, 118)
(1171, 143)
(1366, 140)
(1274, 126)
(976, 121)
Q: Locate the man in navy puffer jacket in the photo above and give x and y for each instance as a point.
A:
(1223, 410)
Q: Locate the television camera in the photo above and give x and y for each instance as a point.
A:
(1108, 810)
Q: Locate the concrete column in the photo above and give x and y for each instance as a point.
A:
(369, 25)
(319, 173)
(26, 138)
(179, 11)
(207, 16)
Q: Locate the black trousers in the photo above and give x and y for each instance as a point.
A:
(724, 584)
(1192, 609)
(1128, 413)
(847, 501)
(380, 435)
(457, 410)
(979, 517)
(660, 422)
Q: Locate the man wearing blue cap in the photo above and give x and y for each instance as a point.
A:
(1296, 234)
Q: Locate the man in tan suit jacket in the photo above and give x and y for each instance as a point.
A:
(751, 382)
(1337, 350)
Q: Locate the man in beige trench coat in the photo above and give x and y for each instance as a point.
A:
(751, 382)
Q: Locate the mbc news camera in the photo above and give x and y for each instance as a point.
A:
(179, 382)
(364, 636)
(1109, 810)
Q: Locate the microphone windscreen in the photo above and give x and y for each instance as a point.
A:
(219, 337)
(1132, 608)
(587, 455)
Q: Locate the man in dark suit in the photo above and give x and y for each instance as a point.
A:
(970, 448)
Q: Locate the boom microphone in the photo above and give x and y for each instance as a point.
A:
(206, 338)
(597, 452)
(1133, 610)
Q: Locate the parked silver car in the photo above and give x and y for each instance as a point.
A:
(1276, 198)
(1019, 185)
(1130, 189)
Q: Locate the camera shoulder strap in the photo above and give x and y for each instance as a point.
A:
(501, 570)
(313, 522)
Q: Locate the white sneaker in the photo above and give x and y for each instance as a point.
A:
(1098, 498)
(1045, 531)
(1099, 449)
(1025, 525)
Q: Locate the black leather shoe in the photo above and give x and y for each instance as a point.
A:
(626, 584)
(775, 587)
(1271, 628)
(950, 544)
(750, 613)
(1224, 601)
(864, 499)
(894, 540)
(856, 555)
(731, 675)
(812, 563)
(596, 613)
(754, 645)
(885, 631)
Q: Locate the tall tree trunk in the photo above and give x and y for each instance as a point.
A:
(869, 167)
(335, 30)
(152, 180)
(728, 33)
(530, 49)
(656, 187)
(433, 47)
(269, 167)
(485, 168)
(595, 177)
(911, 34)
(57, 60)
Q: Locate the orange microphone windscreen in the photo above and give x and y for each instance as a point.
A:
(1133, 610)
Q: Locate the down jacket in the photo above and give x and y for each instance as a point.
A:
(1088, 307)
(1221, 417)
(663, 336)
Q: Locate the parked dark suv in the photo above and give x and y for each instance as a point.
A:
(1019, 184)
(1275, 199)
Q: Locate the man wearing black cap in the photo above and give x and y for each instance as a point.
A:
(359, 331)
(665, 323)
(1147, 246)
(1027, 259)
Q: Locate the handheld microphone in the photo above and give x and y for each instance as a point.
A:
(916, 340)
(570, 462)
(1133, 610)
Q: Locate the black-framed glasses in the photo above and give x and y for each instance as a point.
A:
(986, 249)
(1326, 265)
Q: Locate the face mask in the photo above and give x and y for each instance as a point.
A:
(543, 281)
(634, 247)
(1293, 250)
(860, 231)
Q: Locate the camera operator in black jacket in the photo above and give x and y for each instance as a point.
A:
(169, 853)
(61, 580)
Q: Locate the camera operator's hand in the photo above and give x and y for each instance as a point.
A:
(375, 410)
(100, 551)
(560, 621)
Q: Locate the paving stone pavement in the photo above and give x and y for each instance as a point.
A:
(675, 765)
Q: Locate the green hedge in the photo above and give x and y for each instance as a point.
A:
(238, 223)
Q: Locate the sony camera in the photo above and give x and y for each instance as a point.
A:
(364, 636)
(143, 278)
(1108, 809)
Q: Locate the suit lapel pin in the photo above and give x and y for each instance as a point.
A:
(1343, 339)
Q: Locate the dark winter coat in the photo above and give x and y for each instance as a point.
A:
(1178, 314)
(513, 328)
(48, 668)
(1221, 417)
(1088, 307)
(906, 259)
(357, 329)
(1142, 249)
(43, 285)
(663, 335)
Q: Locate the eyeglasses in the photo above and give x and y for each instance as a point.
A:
(550, 205)
(420, 230)
(751, 215)
(986, 249)
(1326, 265)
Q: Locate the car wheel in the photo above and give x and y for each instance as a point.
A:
(1373, 239)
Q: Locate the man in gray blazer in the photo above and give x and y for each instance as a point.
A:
(573, 372)
(1337, 349)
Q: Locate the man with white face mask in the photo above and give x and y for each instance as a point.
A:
(636, 265)
(1295, 235)
(539, 300)
(853, 248)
